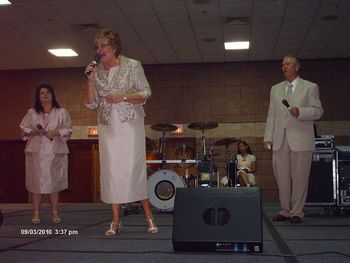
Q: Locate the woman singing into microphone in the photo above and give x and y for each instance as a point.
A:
(119, 89)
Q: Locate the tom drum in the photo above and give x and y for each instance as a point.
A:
(161, 188)
(184, 152)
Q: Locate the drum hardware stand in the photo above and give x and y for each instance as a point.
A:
(231, 163)
(189, 178)
(232, 173)
(213, 169)
(131, 208)
(213, 172)
(203, 144)
(202, 126)
(198, 160)
(231, 169)
(161, 149)
(210, 153)
(163, 127)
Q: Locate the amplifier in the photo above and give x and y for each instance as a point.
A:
(343, 152)
(324, 142)
(343, 165)
(322, 179)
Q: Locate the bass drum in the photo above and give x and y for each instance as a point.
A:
(161, 189)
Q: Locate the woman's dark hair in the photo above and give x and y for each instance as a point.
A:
(249, 151)
(37, 104)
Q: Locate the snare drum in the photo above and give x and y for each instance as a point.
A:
(161, 189)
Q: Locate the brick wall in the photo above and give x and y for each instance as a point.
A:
(236, 95)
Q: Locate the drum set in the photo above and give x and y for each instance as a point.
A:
(191, 170)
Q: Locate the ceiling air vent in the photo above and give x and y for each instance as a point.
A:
(236, 20)
(200, 2)
(330, 18)
(83, 28)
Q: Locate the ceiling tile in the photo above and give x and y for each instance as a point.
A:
(173, 31)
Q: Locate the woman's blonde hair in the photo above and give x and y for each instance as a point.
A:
(112, 37)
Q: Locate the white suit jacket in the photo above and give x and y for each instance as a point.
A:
(58, 118)
(299, 131)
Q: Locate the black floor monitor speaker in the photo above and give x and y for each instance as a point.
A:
(218, 219)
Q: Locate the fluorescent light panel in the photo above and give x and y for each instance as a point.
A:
(237, 45)
(63, 52)
(5, 2)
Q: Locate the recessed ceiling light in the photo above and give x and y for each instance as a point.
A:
(236, 45)
(5, 2)
(63, 52)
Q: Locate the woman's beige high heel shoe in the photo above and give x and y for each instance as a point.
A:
(55, 218)
(152, 228)
(113, 229)
(36, 217)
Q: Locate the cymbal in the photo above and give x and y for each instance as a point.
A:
(203, 125)
(226, 141)
(164, 127)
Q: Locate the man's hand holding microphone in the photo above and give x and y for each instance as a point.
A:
(294, 111)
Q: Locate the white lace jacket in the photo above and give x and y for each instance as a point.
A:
(130, 77)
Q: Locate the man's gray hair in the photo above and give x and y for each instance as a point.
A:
(295, 59)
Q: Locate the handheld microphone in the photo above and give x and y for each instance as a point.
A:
(94, 62)
(96, 59)
(40, 127)
(285, 103)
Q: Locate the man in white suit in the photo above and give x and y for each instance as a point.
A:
(289, 132)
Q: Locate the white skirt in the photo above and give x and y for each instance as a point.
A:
(46, 173)
(123, 174)
(251, 177)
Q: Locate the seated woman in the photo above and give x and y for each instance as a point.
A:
(246, 165)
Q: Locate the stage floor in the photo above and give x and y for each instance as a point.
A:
(80, 238)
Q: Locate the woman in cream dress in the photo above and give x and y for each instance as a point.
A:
(246, 165)
(118, 88)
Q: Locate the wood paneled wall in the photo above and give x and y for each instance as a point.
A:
(81, 176)
(15, 88)
(83, 171)
(12, 172)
